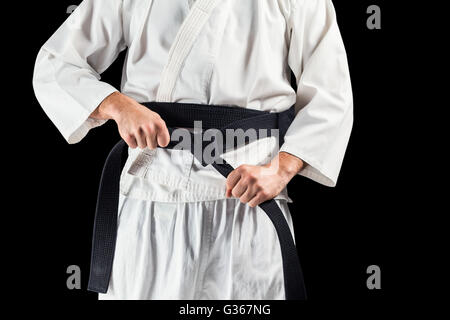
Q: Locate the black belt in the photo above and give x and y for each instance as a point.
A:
(183, 115)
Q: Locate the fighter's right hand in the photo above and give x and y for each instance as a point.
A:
(138, 126)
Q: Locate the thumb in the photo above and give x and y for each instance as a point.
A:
(163, 137)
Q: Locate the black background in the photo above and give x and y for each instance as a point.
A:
(339, 231)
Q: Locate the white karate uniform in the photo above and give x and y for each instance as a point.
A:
(178, 235)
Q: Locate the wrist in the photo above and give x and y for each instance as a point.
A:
(289, 165)
(110, 107)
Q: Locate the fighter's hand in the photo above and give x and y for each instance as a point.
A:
(138, 126)
(256, 184)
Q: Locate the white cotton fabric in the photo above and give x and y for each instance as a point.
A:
(197, 250)
(227, 52)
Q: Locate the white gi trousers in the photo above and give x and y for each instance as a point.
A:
(220, 249)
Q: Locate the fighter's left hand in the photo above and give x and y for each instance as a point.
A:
(256, 184)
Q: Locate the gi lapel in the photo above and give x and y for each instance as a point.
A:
(182, 45)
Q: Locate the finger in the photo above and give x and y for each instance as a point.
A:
(131, 141)
(163, 137)
(151, 141)
(248, 195)
(239, 189)
(256, 200)
(233, 178)
(140, 139)
(228, 193)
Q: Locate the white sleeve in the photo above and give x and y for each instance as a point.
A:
(67, 72)
(321, 129)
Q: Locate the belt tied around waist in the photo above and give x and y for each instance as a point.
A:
(183, 115)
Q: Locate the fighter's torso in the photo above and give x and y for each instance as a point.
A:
(239, 56)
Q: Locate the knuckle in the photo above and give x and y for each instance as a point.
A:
(149, 128)
(136, 132)
(144, 127)
(160, 122)
(127, 134)
(254, 174)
